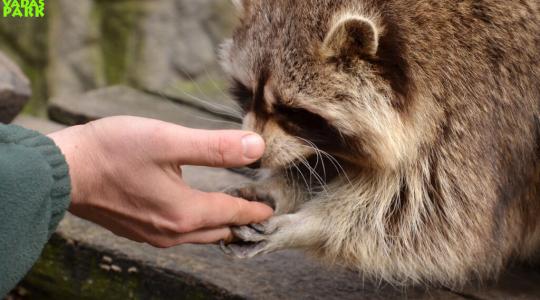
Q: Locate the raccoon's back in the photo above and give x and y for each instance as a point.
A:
(469, 43)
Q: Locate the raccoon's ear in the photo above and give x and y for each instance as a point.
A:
(351, 36)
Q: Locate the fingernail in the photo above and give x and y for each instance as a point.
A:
(253, 146)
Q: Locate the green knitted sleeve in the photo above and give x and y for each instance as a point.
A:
(34, 195)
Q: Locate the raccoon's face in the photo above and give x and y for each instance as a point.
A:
(310, 76)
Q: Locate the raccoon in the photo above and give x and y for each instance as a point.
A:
(402, 135)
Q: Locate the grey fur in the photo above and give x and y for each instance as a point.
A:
(438, 132)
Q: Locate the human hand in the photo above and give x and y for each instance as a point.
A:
(126, 177)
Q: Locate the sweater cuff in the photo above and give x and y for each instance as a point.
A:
(61, 189)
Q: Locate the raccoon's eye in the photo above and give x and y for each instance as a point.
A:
(308, 125)
(242, 94)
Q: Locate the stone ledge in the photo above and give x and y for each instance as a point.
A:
(122, 100)
(219, 104)
(40, 125)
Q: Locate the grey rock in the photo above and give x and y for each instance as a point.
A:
(155, 45)
(194, 50)
(520, 282)
(221, 21)
(206, 93)
(177, 44)
(195, 8)
(74, 55)
(154, 69)
(121, 100)
(41, 125)
(14, 89)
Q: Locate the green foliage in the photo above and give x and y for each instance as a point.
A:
(118, 23)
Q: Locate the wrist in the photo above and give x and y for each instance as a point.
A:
(75, 144)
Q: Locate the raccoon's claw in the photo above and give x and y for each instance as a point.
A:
(255, 239)
(253, 193)
(263, 228)
(244, 250)
(251, 241)
(249, 233)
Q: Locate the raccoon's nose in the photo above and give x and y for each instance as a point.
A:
(255, 165)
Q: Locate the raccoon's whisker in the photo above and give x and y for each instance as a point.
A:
(214, 107)
(217, 121)
(317, 155)
(308, 187)
(221, 91)
(213, 82)
(337, 165)
(309, 145)
(319, 158)
(290, 178)
(195, 83)
(314, 173)
(225, 108)
(339, 168)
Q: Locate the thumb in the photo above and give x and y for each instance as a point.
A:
(219, 148)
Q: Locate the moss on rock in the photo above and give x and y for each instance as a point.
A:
(118, 23)
(67, 270)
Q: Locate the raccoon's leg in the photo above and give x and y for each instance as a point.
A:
(299, 230)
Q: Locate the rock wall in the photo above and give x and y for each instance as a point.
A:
(14, 89)
(161, 45)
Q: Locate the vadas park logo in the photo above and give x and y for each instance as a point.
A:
(23, 8)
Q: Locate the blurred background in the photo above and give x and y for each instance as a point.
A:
(88, 59)
(164, 47)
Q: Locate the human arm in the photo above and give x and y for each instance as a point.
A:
(128, 179)
(34, 194)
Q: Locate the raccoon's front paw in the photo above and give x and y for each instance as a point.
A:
(254, 193)
(255, 239)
